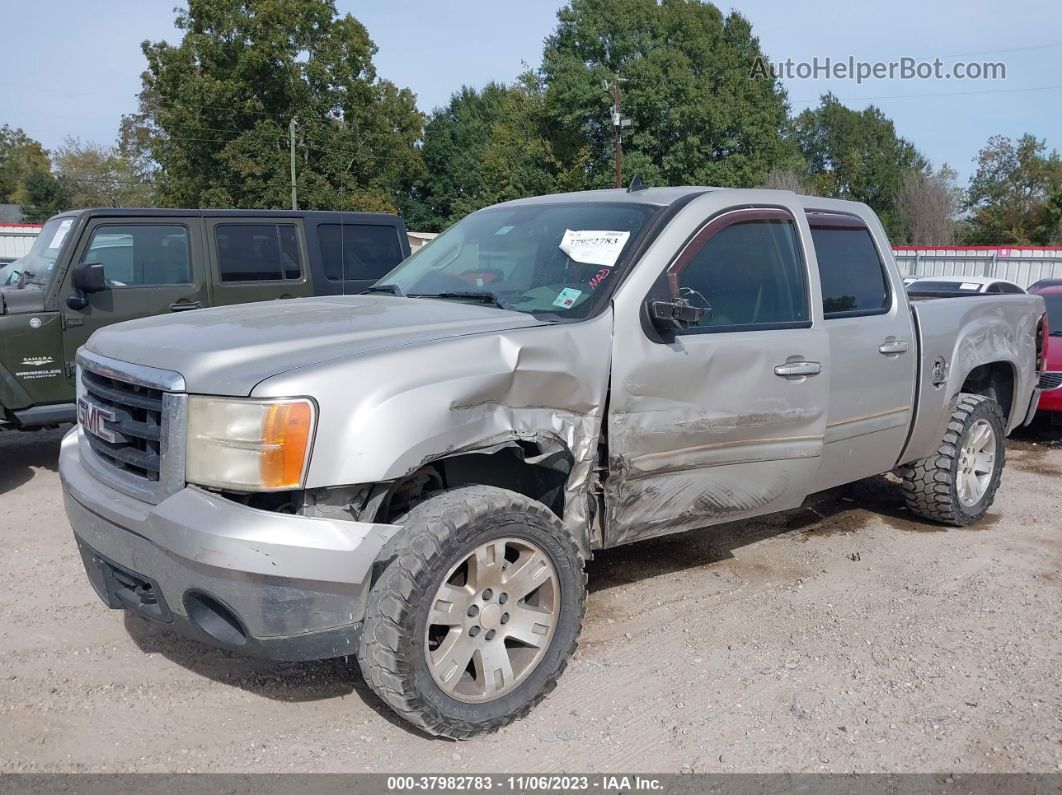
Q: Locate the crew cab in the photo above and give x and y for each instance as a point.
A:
(91, 268)
(415, 476)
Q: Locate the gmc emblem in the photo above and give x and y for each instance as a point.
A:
(92, 416)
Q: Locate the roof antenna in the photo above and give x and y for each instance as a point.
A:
(636, 185)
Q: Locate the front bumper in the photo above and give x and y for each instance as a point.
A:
(1050, 398)
(272, 585)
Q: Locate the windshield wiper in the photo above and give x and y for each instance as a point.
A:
(393, 289)
(487, 298)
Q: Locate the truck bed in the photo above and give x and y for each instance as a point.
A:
(955, 337)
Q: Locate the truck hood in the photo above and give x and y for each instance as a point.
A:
(228, 350)
(15, 300)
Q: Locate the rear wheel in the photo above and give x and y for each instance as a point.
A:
(957, 485)
(475, 617)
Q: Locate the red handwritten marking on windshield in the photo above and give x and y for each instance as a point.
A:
(599, 277)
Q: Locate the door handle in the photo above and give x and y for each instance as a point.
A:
(798, 369)
(893, 346)
(186, 307)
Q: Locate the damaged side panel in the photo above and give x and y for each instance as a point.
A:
(957, 335)
(393, 412)
(702, 431)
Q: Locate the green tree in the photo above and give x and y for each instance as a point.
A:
(19, 155)
(217, 105)
(699, 114)
(41, 195)
(857, 155)
(455, 144)
(489, 146)
(101, 176)
(1012, 193)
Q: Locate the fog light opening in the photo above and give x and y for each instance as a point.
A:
(214, 619)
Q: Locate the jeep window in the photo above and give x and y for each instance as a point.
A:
(850, 271)
(513, 256)
(137, 255)
(37, 264)
(258, 252)
(750, 273)
(358, 251)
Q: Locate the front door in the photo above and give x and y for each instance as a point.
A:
(724, 420)
(152, 266)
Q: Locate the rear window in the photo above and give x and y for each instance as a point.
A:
(851, 273)
(258, 252)
(358, 251)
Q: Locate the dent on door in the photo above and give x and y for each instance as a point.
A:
(742, 440)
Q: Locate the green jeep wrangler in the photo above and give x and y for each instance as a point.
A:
(91, 268)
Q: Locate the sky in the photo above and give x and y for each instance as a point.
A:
(72, 68)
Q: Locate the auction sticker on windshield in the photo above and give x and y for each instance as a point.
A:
(60, 233)
(594, 246)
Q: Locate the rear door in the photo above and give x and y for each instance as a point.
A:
(873, 352)
(725, 420)
(257, 259)
(153, 266)
(356, 255)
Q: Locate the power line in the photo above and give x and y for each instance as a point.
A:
(932, 94)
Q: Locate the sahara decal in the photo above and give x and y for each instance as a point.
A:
(38, 361)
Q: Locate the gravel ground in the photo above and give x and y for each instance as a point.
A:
(849, 638)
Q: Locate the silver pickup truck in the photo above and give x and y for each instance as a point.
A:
(415, 476)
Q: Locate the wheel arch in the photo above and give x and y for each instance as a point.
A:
(997, 380)
(538, 466)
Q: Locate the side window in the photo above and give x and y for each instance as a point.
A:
(995, 288)
(358, 251)
(258, 252)
(850, 271)
(1010, 289)
(136, 255)
(750, 273)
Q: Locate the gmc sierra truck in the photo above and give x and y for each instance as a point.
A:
(415, 476)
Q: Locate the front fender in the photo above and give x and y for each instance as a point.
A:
(383, 415)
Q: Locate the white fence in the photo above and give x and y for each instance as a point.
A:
(16, 239)
(1022, 265)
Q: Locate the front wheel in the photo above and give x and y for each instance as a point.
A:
(474, 619)
(958, 484)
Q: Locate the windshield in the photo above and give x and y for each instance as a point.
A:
(926, 286)
(36, 266)
(550, 259)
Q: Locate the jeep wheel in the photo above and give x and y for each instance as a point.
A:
(476, 614)
(958, 484)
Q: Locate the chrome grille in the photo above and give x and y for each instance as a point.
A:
(1050, 380)
(136, 427)
(132, 422)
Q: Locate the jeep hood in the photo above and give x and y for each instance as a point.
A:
(15, 300)
(228, 350)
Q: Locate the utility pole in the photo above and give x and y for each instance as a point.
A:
(617, 117)
(291, 150)
(619, 122)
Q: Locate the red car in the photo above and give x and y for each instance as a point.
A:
(1051, 379)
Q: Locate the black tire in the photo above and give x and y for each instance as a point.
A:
(930, 485)
(437, 534)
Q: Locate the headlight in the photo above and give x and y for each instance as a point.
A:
(248, 445)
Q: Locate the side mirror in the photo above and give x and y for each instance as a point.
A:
(676, 315)
(88, 277)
